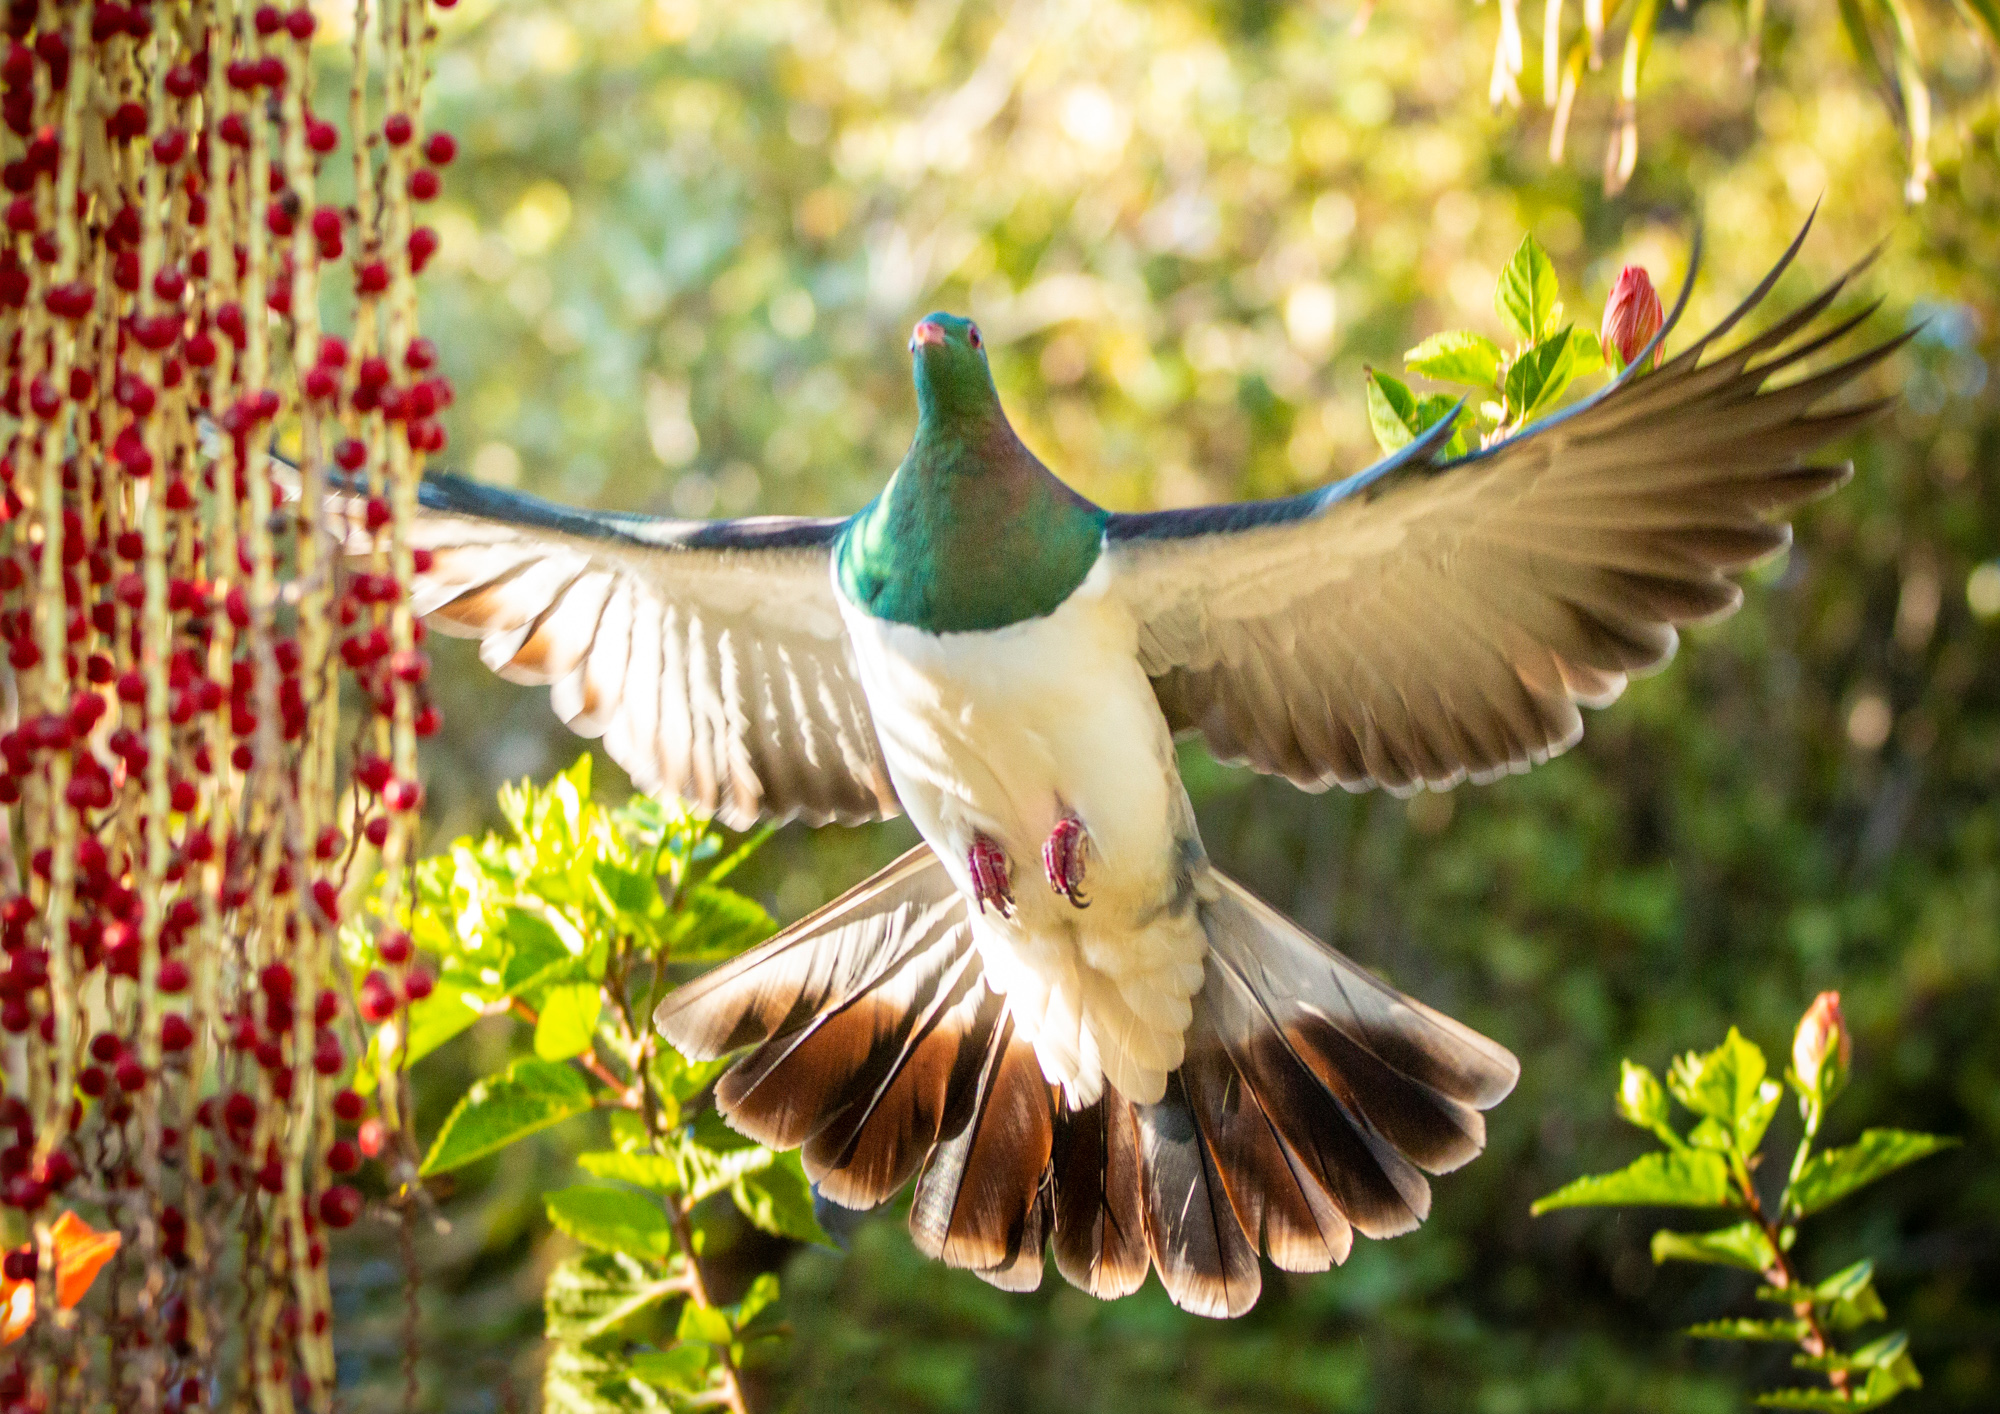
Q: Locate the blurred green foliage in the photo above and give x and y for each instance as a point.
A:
(683, 247)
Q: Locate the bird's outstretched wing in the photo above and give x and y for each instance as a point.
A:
(1416, 628)
(709, 655)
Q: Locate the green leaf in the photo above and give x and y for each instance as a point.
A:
(1726, 1084)
(684, 1369)
(1433, 409)
(583, 1381)
(535, 950)
(777, 1199)
(643, 1170)
(527, 1096)
(588, 1295)
(713, 923)
(708, 1324)
(1849, 1298)
(1685, 1178)
(1781, 1332)
(613, 1220)
(1528, 300)
(1392, 411)
(1805, 1399)
(1457, 356)
(1830, 1176)
(1756, 1116)
(568, 1020)
(1642, 1100)
(1541, 374)
(763, 1291)
(1743, 1245)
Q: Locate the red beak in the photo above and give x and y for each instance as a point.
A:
(926, 332)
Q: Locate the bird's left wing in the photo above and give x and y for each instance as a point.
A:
(709, 655)
(1416, 625)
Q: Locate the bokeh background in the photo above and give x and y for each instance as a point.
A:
(682, 249)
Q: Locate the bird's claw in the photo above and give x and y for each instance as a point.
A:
(1062, 859)
(991, 881)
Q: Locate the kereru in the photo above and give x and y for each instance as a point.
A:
(1055, 1012)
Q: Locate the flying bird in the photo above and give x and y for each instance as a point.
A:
(1055, 1013)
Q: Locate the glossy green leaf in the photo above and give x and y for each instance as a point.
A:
(612, 1220)
(528, 1096)
(1848, 1298)
(1392, 411)
(1835, 1173)
(1780, 1332)
(643, 1170)
(1527, 298)
(1743, 1245)
(568, 1020)
(777, 1199)
(1685, 1178)
(590, 1294)
(1457, 356)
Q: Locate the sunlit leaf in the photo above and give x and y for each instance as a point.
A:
(684, 1369)
(712, 923)
(1642, 1100)
(1686, 1178)
(528, 1096)
(1739, 1328)
(578, 1380)
(643, 1170)
(777, 1199)
(1743, 1245)
(1527, 298)
(589, 1294)
(1392, 411)
(613, 1220)
(704, 1323)
(1833, 1174)
(568, 1020)
(1724, 1083)
(1457, 356)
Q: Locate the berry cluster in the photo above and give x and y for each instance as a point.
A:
(188, 812)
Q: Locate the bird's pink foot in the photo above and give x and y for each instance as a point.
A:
(1062, 859)
(990, 876)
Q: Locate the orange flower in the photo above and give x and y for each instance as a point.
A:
(80, 1253)
(17, 1308)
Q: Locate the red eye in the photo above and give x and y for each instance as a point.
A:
(975, 337)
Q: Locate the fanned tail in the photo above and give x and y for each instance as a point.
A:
(1311, 1102)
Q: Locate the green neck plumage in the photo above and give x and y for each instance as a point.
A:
(972, 532)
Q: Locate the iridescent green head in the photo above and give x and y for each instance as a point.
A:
(953, 381)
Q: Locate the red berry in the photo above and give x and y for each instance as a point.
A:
(441, 148)
(397, 129)
(424, 184)
(343, 1157)
(339, 1206)
(175, 1033)
(347, 1106)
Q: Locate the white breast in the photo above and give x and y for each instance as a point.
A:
(1003, 732)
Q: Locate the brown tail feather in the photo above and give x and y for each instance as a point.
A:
(1310, 1101)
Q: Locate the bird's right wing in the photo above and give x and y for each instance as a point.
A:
(709, 655)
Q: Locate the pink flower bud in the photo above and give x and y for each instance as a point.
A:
(1631, 318)
(1822, 1048)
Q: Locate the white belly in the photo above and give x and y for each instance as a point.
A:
(1004, 732)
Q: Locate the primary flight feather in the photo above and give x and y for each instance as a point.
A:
(1069, 1027)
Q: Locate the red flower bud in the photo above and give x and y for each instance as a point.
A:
(1822, 1047)
(1632, 317)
